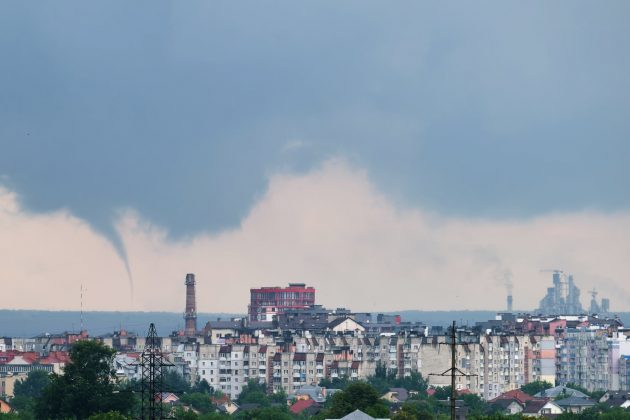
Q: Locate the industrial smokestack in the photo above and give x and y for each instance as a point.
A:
(509, 303)
(190, 315)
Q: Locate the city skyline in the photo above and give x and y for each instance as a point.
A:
(427, 157)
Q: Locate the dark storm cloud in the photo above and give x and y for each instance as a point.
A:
(180, 110)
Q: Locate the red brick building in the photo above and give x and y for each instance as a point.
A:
(266, 302)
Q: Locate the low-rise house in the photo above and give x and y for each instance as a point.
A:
(316, 393)
(541, 408)
(169, 398)
(619, 399)
(507, 406)
(396, 395)
(224, 404)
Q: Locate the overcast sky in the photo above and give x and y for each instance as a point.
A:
(386, 153)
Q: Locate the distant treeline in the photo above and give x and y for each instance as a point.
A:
(29, 323)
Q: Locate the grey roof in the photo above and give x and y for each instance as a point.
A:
(339, 321)
(220, 325)
(557, 390)
(574, 401)
(358, 415)
(402, 393)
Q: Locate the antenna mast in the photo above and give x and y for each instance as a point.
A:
(81, 330)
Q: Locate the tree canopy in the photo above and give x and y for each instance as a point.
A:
(357, 395)
(535, 387)
(87, 386)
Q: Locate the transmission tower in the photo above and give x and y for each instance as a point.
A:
(453, 371)
(152, 364)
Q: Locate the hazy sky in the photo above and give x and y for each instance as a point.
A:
(386, 153)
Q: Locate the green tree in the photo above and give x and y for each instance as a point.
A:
(87, 386)
(476, 404)
(199, 401)
(111, 415)
(335, 383)
(279, 397)
(214, 416)
(535, 387)
(180, 414)
(173, 381)
(357, 395)
(253, 393)
(383, 381)
(28, 390)
(33, 385)
(266, 413)
(416, 409)
(442, 392)
(10, 416)
(202, 386)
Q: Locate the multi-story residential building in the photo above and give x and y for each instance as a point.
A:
(591, 355)
(229, 367)
(618, 348)
(624, 373)
(543, 359)
(268, 302)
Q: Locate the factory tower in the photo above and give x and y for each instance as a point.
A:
(190, 315)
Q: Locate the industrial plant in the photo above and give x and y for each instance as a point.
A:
(564, 298)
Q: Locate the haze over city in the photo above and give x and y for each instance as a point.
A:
(429, 156)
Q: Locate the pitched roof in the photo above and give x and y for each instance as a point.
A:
(534, 406)
(515, 394)
(340, 321)
(301, 405)
(506, 402)
(357, 415)
(401, 393)
(557, 390)
(574, 401)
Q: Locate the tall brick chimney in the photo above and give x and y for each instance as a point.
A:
(190, 316)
